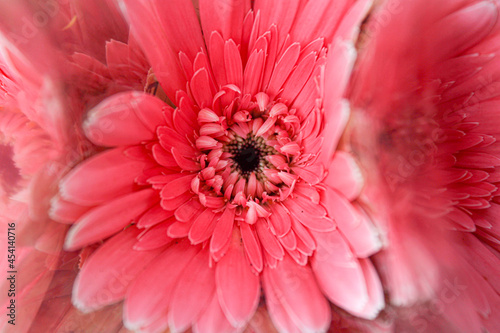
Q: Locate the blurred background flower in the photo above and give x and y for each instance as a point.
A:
(425, 94)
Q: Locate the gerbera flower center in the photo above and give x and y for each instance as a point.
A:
(248, 154)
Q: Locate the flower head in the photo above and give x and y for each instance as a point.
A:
(229, 181)
(426, 125)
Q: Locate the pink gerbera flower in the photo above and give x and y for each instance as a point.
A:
(427, 128)
(232, 190)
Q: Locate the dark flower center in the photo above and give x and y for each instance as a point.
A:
(248, 154)
(247, 158)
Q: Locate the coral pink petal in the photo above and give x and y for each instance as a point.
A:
(338, 67)
(222, 231)
(252, 246)
(464, 28)
(177, 187)
(66, 212)
(149, 296)
(154, 237)
(344, 175)
(147, 27)
(238, 288)
(117, 214)
(213, 320)
(277, 312)
(203, 226)
(224, 17)
(279, 220)
(300, 295)
(268, 240)
(106, 275)
(154, 216)
(84, 184)
(186, 37)
(309, 214)
(123, 119)
(338, 272)
(354, 224)
(193, 292)
(375, 292)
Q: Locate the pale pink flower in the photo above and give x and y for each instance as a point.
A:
(39, 138)
(426, 126)
(234, 184)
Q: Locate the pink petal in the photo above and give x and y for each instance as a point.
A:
(233, 64)
(344, 175)
(153, 216)
(188, 210)
(154, 237)
(279, 220)
(268, 240)
(123, 119)
(338, 272)
(222, 231)
(200, 87)
(464, 28)
(339, 63)
(117, 214)
(106, 275)
(375, 292)
(192, 294)
(147, 27)
(224, 17)
(238, 287)
(177, 187)
(83, 184)
(277, 312)
(252, 246)
(298, 292)
(309, 214)
(66, 212)
(283, 69)
(203, 226)
(149, 296)
(354, 224)
(213, 320)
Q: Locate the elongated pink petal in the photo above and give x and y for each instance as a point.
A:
(149, 296)
(153, 216)
(344, 175)
(222, 231)
(354, 224)
(117, 214)
(268, 240)
(299, 294)
(154, 237)
(213, 320)
(147, 27)
(66, 212)
(238, 287)
(203, 226)
(106, 275)
(277, 312)
(252, 246)
(127, 118)
(338, 272)
(83, 184)
(375, 292)
(193, 292)
(226, 18)
(279, 220)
